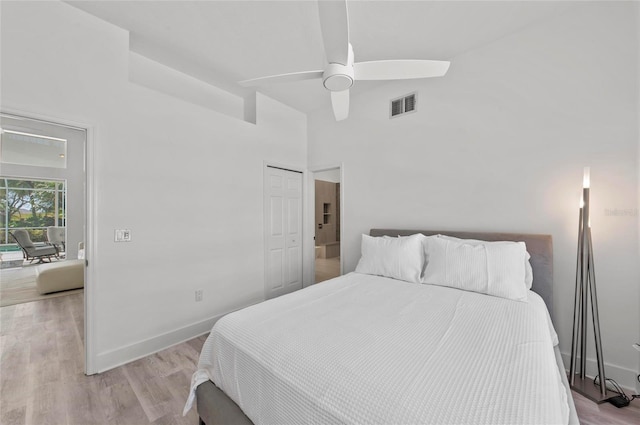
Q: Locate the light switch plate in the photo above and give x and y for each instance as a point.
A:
(122, 235)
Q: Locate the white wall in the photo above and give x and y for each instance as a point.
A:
(187, 181)
(332, 175)
(499, 144)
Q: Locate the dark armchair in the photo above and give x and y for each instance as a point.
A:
(29, 250)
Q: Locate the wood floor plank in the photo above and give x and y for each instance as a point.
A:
(13, 417)
(43, 346)
(6, 319)
(111, 378)
(198, 342)
(45, 372)
(177, 419)
(26, 310)
(120, 405)
(179, 384)
(152, 394)
(163, 363)
(14, 395)
(15, 355)
(47, 405)
(71, 371)
(327, 268)
(14, 376)
(591, 413)
(21, 323)
(83, 403)
(69, 347)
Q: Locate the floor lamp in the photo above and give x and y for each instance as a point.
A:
(586, 294)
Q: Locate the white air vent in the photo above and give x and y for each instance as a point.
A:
(403, 105)
(397, 107)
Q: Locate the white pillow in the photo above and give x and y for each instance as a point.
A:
(493, 268)
(528, 271)
(397, 258)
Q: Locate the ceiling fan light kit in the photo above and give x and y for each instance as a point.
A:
(338, 77)
(341, 70)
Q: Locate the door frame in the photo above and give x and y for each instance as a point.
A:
(89, 224)
(305, 173)
(311, 229)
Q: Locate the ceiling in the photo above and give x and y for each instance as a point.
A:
(222, 42)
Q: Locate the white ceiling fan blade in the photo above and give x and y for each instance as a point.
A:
(282, 78)
(399, 69)
(334, 24)
(340, 103)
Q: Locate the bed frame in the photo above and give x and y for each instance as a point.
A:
(215, 408)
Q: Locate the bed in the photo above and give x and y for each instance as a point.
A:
(372, 349)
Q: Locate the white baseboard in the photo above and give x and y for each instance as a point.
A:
(128, 353)
(122, 355)
(626, 378)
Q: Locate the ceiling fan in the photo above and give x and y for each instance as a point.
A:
(341, 71)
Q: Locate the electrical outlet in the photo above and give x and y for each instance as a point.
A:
(122, 235)
(199, 293)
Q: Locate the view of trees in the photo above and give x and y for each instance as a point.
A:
(30, 204)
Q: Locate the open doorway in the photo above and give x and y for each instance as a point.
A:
(327, 224)
(43, 209)
(42, 205)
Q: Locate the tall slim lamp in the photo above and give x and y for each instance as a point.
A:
(585, 295)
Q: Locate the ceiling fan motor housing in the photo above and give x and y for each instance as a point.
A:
(338, 77)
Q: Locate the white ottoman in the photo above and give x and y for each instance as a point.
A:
(60, 276)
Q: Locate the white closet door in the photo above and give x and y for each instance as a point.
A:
(283, 227)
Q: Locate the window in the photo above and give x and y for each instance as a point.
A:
(32, 205)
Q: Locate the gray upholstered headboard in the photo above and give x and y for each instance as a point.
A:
(539, 246)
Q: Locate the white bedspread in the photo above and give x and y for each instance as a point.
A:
(363, 349)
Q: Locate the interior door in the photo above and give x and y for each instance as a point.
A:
(283, 228)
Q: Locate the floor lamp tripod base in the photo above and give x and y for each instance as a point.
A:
(585, 387)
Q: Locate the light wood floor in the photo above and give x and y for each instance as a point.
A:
(42, 380)
(591, 413)
(327, 268)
